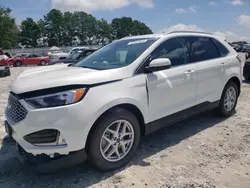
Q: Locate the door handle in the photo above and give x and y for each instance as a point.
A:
(189, 71)
(224, 63)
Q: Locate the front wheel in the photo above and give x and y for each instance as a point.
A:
(43, 63)
(114, 140)
(18, 64)
(229, 99)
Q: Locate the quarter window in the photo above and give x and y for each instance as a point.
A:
(174, 49)
(222, 49)
(202, 49)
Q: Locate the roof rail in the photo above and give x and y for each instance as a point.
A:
(189, 32)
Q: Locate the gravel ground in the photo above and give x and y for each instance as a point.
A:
(205, 151)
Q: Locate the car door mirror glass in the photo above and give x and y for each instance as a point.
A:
(158, 64)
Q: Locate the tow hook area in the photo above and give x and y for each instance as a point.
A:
(45, 164)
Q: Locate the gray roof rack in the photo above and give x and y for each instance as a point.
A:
(189, 32)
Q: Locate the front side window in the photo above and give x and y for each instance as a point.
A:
(202, 49)
(117, 54)
(175, 50)
(32, 56)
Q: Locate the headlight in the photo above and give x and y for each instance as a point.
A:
(57, 99)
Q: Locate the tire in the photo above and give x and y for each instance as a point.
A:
(224, 109)
(7, 72)
(2, 74)
(94, 147)
(43, 63)
(17, 64)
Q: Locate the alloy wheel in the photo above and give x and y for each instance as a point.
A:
(117, 140)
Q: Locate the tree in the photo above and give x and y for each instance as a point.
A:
(126, 26)
(30, 32)
(54, 27)
(41, 26)
(104, 32)
(85, 27)
(239, 42)
(8, 29)
(59, 28)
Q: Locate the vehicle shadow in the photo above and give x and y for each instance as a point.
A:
(14, 174)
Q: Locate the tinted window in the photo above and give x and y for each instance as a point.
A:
(173, 49)
(202, 48)
(222, 49)
(32, 56)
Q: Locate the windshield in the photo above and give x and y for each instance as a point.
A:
(117, 54)
(76, 54)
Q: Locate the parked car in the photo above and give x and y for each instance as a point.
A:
(75, 57)
(28, 59)
(56, 56)
(238, 48)
(100, 107)
(3, 55)
(4, 70)
(246, 69)
(246, 49)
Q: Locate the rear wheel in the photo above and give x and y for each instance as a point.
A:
(229, 99)
(2, 73)
(7, 72)
(114, 140)
(18, 64)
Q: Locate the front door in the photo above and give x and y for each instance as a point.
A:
(174, 89)
(31, 59)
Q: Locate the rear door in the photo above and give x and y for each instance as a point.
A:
(210, 68)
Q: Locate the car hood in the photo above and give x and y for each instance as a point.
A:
(62, 75)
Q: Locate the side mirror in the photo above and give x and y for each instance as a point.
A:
(158, 65)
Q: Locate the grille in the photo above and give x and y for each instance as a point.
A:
(42, 137)
(15, 111)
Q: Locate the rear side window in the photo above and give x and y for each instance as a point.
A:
(202, 49)
(222, 49)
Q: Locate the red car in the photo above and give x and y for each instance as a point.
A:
(27, 59)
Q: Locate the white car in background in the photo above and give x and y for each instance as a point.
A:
(63, 55)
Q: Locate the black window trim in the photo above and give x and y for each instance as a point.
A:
(140, 68)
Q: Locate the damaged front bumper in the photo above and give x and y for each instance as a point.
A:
(46, 164)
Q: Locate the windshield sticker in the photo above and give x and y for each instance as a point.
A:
(137, 42)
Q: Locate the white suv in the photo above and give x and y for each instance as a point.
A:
(101, 106)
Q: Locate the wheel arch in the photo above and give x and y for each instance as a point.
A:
(18, 61)
(237, 81)
(41, 60)
(127, 106)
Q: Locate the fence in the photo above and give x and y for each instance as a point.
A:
(41, 51)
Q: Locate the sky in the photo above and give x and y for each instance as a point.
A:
(227, 18)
